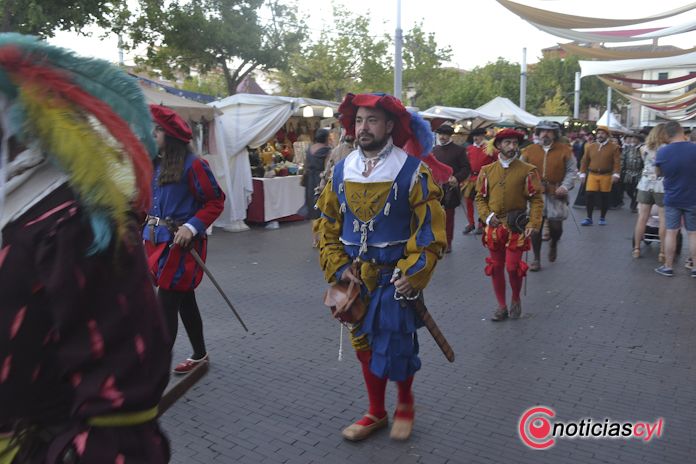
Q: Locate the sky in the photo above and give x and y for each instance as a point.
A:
(478, 31)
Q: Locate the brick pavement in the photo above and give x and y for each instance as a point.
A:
(601, 336)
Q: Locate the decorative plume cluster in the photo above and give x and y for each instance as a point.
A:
(89, 118)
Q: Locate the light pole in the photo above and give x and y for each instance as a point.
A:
(398, 44)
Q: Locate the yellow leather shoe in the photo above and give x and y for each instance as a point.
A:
(403, 422)
(357, 432)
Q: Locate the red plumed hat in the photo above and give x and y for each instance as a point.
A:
(402, 118)
(173, 124)
(509, 134)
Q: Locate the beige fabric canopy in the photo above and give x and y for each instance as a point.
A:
(187, 109)
(566, 21)
(613, 54)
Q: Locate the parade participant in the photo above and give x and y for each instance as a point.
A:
(555, 163)
(454, 156)
(504, 192)
(381, 209)
(186, 201)
(631, 167)
(478, 157)
(602, 160)
(84, 351)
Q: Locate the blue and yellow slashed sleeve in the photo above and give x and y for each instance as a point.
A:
(428, 239)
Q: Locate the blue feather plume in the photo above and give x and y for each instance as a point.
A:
(422, 131)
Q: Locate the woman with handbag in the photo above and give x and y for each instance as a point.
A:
(455, 157)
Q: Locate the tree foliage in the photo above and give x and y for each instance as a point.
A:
(423, 75)
(45, 17)
(555, 105)
(339, 62)
(226, 35)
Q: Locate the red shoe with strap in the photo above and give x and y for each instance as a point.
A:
(365, 427)
(189, 365)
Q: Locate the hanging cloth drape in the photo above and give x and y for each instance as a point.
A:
(566, 21)
(619, 54)
(650, 81)
(617, 36)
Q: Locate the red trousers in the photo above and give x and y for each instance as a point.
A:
(505, 255)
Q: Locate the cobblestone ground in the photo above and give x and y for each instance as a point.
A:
(602, 336)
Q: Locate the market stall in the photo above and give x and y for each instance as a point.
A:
(264, 138)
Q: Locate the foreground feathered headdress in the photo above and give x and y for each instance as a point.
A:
(86, 116)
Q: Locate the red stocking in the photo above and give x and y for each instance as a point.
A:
(470, 211)
(405, 393)
(375, 388)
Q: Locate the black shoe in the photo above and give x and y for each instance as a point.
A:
(468, 229)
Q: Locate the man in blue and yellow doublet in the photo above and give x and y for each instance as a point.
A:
(381, 208)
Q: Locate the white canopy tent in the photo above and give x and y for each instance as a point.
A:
(249, 120)
(594, 68)
(615, 123)
(506, 112)
(187, 109)
(456, 114)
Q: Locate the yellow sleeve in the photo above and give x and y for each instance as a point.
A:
(428, 239)
(482, 195)
(332, 255)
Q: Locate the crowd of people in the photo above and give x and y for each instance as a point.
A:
(103, 199)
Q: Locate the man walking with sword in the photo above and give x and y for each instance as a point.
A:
(186, 201)
(381, 209)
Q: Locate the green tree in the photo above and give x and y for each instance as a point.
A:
(225, 35)
(546, 76)
(45, 17)
(484, 83)
(341, 60)
(212, 83)
(556, 105)
(423, 74)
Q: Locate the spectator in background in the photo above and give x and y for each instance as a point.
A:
(313, 168)
(676, 163)
(631, 167)
(650, 190)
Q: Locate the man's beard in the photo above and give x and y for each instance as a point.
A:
(510, 154)
(547, 141)
(372, 143)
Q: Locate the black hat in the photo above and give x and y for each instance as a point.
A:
(445, 128)
(475, 132)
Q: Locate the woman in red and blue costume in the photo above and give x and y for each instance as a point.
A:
(186, 200)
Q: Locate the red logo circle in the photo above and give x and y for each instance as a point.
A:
(535, 427)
